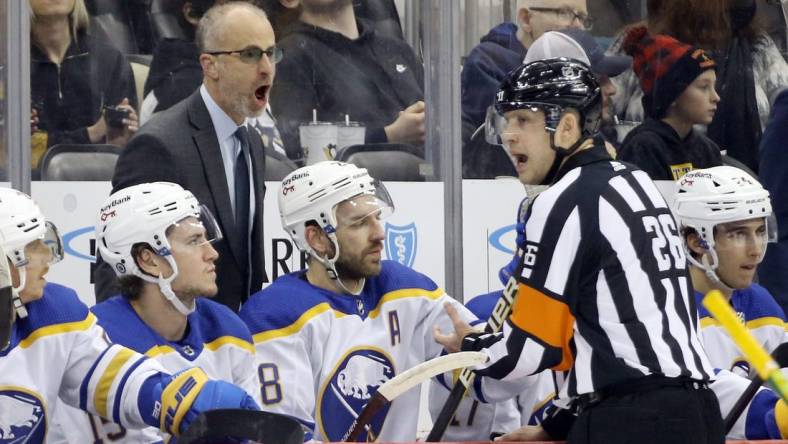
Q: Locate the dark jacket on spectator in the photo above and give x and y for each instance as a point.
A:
(371, 79)
(488, 62)
(774, 177)
(69, 97)
(175, 72)
(656, 148)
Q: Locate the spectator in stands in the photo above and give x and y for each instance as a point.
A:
(678, 84)
(503, 49)
(77, 82)
(774, 177)
(175, 73)
(480, 160)
(338, 65)
(751, 67)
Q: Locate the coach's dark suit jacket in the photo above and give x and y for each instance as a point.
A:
(180, 145)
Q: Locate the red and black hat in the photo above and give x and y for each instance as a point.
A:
(665, 67)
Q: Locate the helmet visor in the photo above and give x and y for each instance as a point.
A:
(54, 243)
(745, 235)
(362, 208)
(194, 231)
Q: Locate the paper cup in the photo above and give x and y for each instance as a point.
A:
(319, 141)
(351, 133)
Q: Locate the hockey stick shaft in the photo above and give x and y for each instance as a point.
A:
(764, 365)
(407, 380)
(741, 403)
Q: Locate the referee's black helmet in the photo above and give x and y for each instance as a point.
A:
(553, 86)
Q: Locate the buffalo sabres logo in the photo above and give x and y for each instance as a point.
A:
(22, 417)
(401, 243)
(349, 388)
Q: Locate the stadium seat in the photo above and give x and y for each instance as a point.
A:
(164, 20)
(79, 162)
(277, 166)
(386, 161)
(383, 13)
(110, 22)
(140, 66)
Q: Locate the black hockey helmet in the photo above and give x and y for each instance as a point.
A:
(552, 86)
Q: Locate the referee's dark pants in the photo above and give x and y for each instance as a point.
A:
(654, 410)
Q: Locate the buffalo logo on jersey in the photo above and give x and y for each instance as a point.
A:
(354, 381)
(401, 243)
(22, 417)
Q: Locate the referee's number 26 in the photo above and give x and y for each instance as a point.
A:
(666, 243)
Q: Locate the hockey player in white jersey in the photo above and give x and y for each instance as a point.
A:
(158, 238)
(727, 222)
(58, 350)
(329, 336)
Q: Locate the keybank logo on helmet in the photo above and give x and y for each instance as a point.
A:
(295, 177)
(115, 202)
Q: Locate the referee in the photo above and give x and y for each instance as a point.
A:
(604, 292)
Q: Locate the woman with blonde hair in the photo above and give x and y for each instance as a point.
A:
(82, 88)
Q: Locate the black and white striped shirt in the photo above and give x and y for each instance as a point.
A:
(604, 293)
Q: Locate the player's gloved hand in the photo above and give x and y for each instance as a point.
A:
(186, 394)
(507, 270)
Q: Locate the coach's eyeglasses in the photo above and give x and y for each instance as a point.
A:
(253, 54)
(569, 15)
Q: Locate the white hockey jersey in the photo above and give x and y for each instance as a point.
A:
(761, 314)
(59, 350)
(476, 420)
(322, 355)
(217, 341)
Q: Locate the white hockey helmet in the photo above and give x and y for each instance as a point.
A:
(22, 222)
(312, 193)
(709, 197)
(142, 214)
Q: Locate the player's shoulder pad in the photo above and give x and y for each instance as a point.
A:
(58, 306)
(395, 276)
(282, 303)
(482, 306)
(217, 320)
(123, 326)
(758, 303)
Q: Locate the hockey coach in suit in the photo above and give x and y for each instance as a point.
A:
(204, 145)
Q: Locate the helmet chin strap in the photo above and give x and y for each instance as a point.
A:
(331, 267)
(561, 153)
(709, 267)
(165, 286)
(19, 306)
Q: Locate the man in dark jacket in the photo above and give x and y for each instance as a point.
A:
(337, 65)
(175, 73)
(774, 179)
(503, 49)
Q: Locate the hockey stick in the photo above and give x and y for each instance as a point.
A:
(407, 380)
(780, 355)
(233, 425)
(499, 315)
(767, 369)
